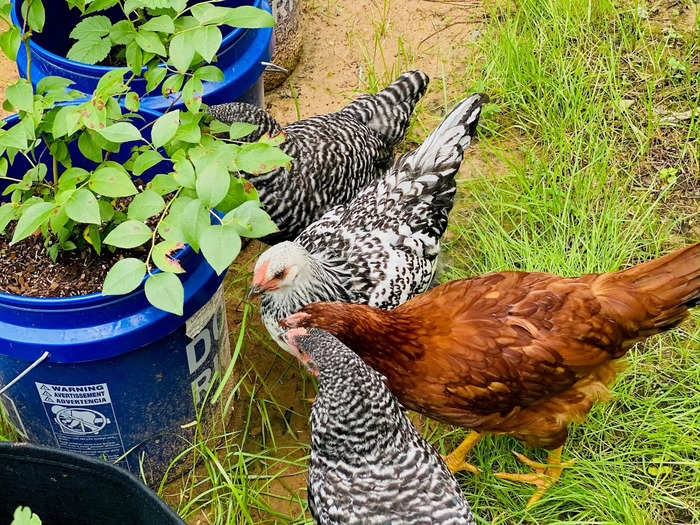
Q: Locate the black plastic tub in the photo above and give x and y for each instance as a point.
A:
(66, 488)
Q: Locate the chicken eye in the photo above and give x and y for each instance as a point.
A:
(279, 274)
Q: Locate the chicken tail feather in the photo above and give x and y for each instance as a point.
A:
(389, 112)
(442, 151)
(242, 112)
(665, 288)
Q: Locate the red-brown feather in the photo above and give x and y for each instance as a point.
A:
(516, 352)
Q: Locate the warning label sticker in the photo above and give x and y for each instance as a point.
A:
(82, 419)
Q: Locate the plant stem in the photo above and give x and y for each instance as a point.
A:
(155, 230)
(169, 108)
(29, 61)
(54, 164)
(25, 37)
(211, 212)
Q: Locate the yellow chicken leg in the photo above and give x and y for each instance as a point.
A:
(545, 475)
(456, 461)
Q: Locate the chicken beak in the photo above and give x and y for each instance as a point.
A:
(254, 290)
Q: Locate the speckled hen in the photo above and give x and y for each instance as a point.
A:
(368, 463)
(334, 155)
(381, 249)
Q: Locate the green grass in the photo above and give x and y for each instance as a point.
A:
(576, 196)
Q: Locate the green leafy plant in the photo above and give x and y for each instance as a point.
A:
(152, 31)
(668, 175)
(25, 516)
(86, 200)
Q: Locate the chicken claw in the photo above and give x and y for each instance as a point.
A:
(545, 475)
(456, 461)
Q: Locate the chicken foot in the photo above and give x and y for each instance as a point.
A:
(545, 475)
(456, 461)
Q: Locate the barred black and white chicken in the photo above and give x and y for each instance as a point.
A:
(334, 155)
(368, 463)
(380, 249)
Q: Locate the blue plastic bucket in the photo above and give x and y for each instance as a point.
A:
(239, 57)
(122, 378)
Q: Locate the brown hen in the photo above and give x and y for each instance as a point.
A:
(515, 353)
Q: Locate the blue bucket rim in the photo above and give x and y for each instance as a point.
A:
(96, 69)
(28, 301)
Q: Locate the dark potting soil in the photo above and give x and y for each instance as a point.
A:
(26, 269)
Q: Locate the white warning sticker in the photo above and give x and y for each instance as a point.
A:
(82, 419)
(76, 395)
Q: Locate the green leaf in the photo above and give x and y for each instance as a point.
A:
(165, 291)
(195, 218)
(241, 129)
(92, 235)
(51, 82)
(239, 191)
(260, 158)
(184, 173)
(82, 207)
(249, 17)
(7, 213)
(134, 58)
(207, 41)
(112, 182)
(162, 256)
(220, 246)
(250, 220)
(92, 27)
(206, 13)
(145, 204)
(10, 41)
(189, 133)
(112, 82)
(131, 101)
(100, 5)
(24, 516)
(161, 24)
(21, 95)
(89, 50)
(57, 220)
(129, 234)
(89, 148)
(79, 4)
(172, 84)
(36, 16)
(123, 32)
(164, 128)
(182, 51)
(154, 77)
(150, 42)
(209, 73)
(121, 132)
(31, 219)
(66, 122)
(71, 178)
(162, 184)
(212, 184)
(124, 277)
(192, 94)
(15, 137)
(106, 210)
(146, 160)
